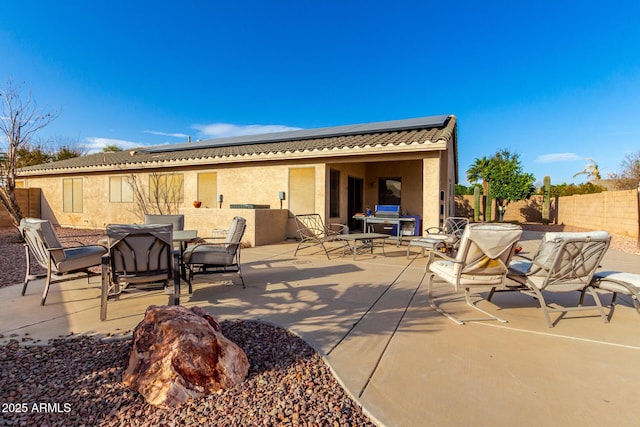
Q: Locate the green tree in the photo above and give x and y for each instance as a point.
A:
(565, 189)
(463, 190)
(63, 148)
(28, 155)
(111, 148)
(477, 172)
(66, 152)
(508, 180)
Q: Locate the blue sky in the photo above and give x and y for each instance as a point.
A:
(557, 82)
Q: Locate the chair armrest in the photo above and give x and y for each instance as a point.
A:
(522, 256)
(444, 256)
(311, 232)
(225, 245)
(434, 230)
(336, 228)
(213, 243)
(76, 243)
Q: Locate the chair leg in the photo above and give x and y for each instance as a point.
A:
(467, 295)
(105, 288)
(325, 250)
(433, 305)
(543, 305)
(176, 290)
(27, 275)
(582, 292)
(178, 269)
(469, 302)
(47, 283)
(241, 278)
(596, 299)
(239, 270)
(190, 277)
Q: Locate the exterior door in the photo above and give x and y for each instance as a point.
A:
(355, 196)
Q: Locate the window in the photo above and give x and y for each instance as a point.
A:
(389, 191)
(72, 195)
(302, 191)
(120, 189)
(334, 193)
(208, 189)
(166, 189)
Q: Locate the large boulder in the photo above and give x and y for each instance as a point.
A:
(179, 354)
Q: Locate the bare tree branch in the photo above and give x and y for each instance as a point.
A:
(20, 119)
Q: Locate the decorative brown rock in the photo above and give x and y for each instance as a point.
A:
(180, 354)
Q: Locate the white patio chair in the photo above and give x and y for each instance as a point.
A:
(481, 263)
(617, 282)
(42, 242)
(564, 262)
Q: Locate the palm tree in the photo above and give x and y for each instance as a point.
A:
(591, 170)
(478, 172)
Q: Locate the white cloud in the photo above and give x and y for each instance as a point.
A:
(224, 130)
(175, 135)
(557, 157)
(95, 144)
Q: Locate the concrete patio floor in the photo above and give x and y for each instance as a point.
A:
(404, 363)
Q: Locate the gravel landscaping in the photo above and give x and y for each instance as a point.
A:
(74, 381)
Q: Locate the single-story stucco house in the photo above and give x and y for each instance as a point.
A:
(336, 172)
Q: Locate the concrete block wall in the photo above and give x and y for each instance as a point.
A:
(614, 211)
(520, 211)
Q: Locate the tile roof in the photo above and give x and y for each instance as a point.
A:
(375, 139)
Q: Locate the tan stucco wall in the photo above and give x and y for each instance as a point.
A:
(264, 226)
(431, 198)
(356, 170)
(422, 176)
(256, 185)
(411, 175)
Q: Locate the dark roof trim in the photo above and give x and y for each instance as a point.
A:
(300, 135)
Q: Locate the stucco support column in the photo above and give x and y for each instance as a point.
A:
(430, 192)
(322, 195)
